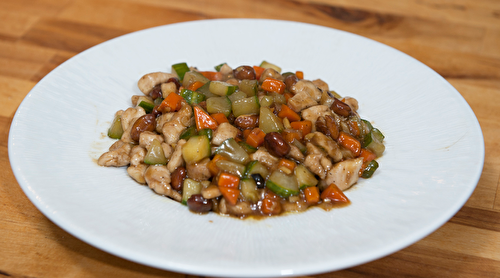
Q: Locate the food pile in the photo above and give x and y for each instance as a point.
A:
(248, 141)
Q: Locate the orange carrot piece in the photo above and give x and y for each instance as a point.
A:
(334, 194)
(312, 195)
(220, 118)
(212, 165)
(246, 132)
(349, 142)
(195, 86)
(228, 180)
(288, 96)
(288, 113)
(287, 163)
(258, 71)
(203, 120)
(304, 126)
(230, 194)
(299, 74)
(354, 128)
(273, 85)
(292, 134)
(212, 75)
(270, 206)
(171, 103)
(256, 137)
(367, 155)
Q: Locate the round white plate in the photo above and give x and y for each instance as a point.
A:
(433, 160)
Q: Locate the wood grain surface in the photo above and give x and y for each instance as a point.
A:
(458, 39)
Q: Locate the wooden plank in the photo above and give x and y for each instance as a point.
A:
(13, 91)
(14, 24)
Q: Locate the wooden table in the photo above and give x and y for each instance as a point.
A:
(458, 39)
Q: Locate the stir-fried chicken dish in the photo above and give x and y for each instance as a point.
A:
(244, 141)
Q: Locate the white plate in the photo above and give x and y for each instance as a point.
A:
(433, 160)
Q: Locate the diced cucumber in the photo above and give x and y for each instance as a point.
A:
(196, 148)
(371, 142)
(266, 101)
(180, 69)
(369, 169)
(146, 103)
(255, 167)
(192, 97)
(248, 148)
(192, 76)
(231, 167)
(115, 131)
(155, 154)
(282, 184)
(268, 122)
(221, 88)
(246, 106)
(304, 177)
(158, 101)
(249, 190)
(249, 87)
(233, 151)
(267, 65)
(205, 90)
(278, 98)
(189, 132)
(190, 187)
(206, 131)
(219, 105)
(237, 96)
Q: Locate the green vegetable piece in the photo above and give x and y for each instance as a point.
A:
(249, 190)
(267, 65)
(268, 122)
(206, 131)
(180, 69)
(205, 91)
(158, 101)
(218, 67)
(190, 187)
(219, 105)
(248, 148)
(371, 167)
(115, 131)
(246, 106)
(221, 88)
(249, 87)
(148, 106)
(231, 150)
(189, 132)
(155, 154)
(196, 148)
(282, 184)
(304, 177)
(255, 167)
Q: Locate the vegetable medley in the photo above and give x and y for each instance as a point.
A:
(244, 141)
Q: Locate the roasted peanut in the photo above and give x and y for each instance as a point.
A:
(341, 108)
(332, 127)
(244, 72)
(176, 81)
(178, 177)
(197, 203)
(290, 80)
(144, 123)
(276, 144)
(246, 121)
(156, 92)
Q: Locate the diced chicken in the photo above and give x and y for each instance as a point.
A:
(265, 158)
(301, 101)
(168, 88)
(211, 192)
(148, 81)
(307, 87)
(344, 174)
(352, 102)
(137, 172)
(167, 150)
(182, 119)
(199, 171)
(147, 137)
(158, 178)
(176, 159)
(313, 113)
(137, 155)
(295, 153)
(240, 209)
(327, 144)
(116, 145)
(272, 73)
(161, 120)
(314, 160)
(327, 98)
(226, 70)
(224, 131)
(130, 115)
(322, 85)
(119, 156)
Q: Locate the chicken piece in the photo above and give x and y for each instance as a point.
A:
(314, 160)
(301, 101)
(147, 137)
(116, 145)
(327, 98)
(137, 172)
(119, 156)
(344, 174)
(327, 144)
(148, 81)
(241, 208)
(224, 131)
(158, 178)
(199, 171)
(226, 70)
(352, 102)
(307, 87)
(313, 113)
(168, 88)
(161, 120)
(167, 150)
(176, 159)
(130, 115)
(210, 192)
(295, 153)
(271, 73)
(137, 155)
(322, 85)
(182, 119)
(265, 158)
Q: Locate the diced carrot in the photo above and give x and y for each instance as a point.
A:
(288, 96)
(273, 85)
(228, 180)
(287, 164)
(212, 165)
(291, 134)
(258, 71)
(288, 113)
(256, 137)
(171, 103)
(367, 155)
(349, 142)
(230, 194)
(333, 194)
(220, 118)
(195, 86)
(299, 74)
(312, 195)
(354, 128)
(212, 75)
(270, 206)
(246, 132)
(203, 120)
(304, 126)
